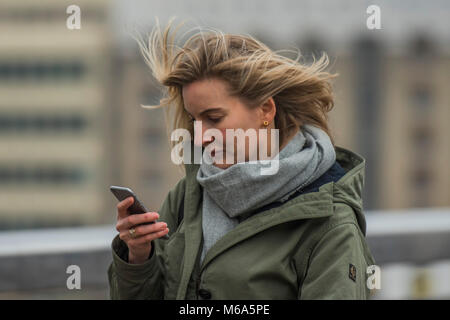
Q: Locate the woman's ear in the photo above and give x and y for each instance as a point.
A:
(268, 110)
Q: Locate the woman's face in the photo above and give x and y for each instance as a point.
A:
(209, 102)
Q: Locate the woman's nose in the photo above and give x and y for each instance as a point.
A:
(200, 138)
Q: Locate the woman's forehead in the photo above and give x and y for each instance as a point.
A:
(204, 93)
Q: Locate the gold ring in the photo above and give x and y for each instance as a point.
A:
(132, 231)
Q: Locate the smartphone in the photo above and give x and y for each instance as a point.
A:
(121, 193)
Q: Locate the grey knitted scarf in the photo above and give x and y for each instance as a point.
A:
(239, 189)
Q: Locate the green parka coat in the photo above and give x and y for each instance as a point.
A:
(309, 247)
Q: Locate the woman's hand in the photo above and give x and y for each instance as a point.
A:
(139, 244)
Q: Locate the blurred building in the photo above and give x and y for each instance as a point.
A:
(414, 137)
(392, 106)
(55, 149)
(70, 119)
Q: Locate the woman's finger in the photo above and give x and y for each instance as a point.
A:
(122, 207)
(147, 238)
(140, 231)
(136, 219)
(150, 228)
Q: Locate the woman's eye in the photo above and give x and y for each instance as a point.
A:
(215, 120)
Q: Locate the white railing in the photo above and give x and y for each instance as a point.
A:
(58, 240)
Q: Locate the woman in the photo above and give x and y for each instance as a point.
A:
(235, 233)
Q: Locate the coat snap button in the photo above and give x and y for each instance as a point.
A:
(204, 294)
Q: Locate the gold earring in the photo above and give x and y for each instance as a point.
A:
(266, 123)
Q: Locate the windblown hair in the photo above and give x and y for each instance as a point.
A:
(252, 71)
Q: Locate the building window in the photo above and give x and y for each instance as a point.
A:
(41, 175)
(22, 71)
(421, 99)
(422, 46)
(422, 139)
(421, 182)
(42, 123)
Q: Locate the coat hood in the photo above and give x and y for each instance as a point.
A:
(348, 189)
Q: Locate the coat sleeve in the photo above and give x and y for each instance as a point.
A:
(337, 266)
(144, 281)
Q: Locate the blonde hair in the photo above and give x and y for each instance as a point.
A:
(252, 71)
